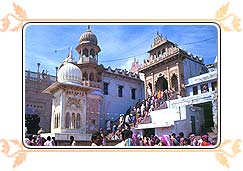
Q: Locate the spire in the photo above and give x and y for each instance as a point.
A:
(88, 27)
(70, 55)
(157, 32)
(216, 60)
(69, 58)
(70, 52)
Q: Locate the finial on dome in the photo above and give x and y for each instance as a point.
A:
(71, 52)
(88, 27)
(69, 58)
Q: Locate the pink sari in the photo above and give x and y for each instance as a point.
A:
(165, 139)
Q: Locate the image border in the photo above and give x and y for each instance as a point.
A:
(136, 148)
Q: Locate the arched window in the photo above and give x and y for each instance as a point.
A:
(154, 57)
(92, 53)
(85, 76)
(163, 50)
(67, 120)
(86, 52)
(159, 53)
(91, 76)
(73, 121)
(58, 120)
(99, 77)
(78, 121)
(174, 82)
(161, 84)
(55, 120)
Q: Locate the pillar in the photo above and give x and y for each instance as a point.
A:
(168, 75)
(199, 89)
(56, 72)
(62, 111)
(179, 77)
(38, 67)
(210, 87)
(153, 84)
(145, 89)
(53, 114)
(38, 71)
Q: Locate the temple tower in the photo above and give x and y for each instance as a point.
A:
(69, 102)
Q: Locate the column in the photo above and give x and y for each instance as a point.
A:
(38, 67)
(62, 111)
(191, 91)
(56, 72)
(38, 71)
(199, 89)
(83, 124)
(209, 87)
(145, 89)
(153, 84)
(179, 77)
(215, 110)
(168, 75)
(53, 114)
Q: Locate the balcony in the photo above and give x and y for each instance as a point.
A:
(92, 84)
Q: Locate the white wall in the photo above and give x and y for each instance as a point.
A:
(191, 68)
(114, 105)
(207, 78)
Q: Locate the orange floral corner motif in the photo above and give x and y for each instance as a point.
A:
(18, 154)
(222, 17)
(19, 16)
(222, 155)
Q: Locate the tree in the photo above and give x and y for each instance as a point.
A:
(32, 123)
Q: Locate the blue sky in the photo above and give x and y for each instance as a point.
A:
(118, 41)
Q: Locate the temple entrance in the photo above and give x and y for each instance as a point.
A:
(208, 115)
(161, 84)
(148, 132)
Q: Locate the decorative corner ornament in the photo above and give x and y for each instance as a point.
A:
(12, 149)
(222, 155)
(18, 18)
(222, 18)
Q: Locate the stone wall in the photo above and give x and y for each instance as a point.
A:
(38, 103)
(92, 115)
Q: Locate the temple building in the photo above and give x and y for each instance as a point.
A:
(168, 66)
(114, 91)
(84, 94)
(192, 106)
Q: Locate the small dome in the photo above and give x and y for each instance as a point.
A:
(88, 37)
(69, 73)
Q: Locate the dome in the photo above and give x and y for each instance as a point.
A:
(88, 37)
(69, 73)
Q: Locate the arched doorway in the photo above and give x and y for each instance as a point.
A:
(161, 84)
(174, 82)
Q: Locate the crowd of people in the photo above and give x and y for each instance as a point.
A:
(127, 137)
(138, 114)
(141, 110)
(38, 140)
(122, 131)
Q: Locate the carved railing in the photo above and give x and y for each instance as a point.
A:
(163, 57)
(34, 76)
(92, 84)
